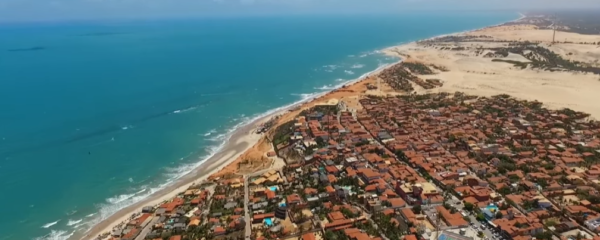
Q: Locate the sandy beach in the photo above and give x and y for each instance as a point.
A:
(470, 71)
(241, 140)
(467, 72)
(244, 144)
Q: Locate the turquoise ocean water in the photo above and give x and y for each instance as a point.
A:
(98, 115)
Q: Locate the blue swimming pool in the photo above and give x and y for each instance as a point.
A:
(268, 222)
(492, 208)
(282, 205)
(273, 188)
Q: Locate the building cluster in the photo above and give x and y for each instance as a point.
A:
(168, 220)
(526, 169)
(406, 167)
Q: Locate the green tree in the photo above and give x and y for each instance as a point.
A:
(550, 223)
(504, 190)
(544, 235)
(320, 141)
(330, 235)
(416, 209)
(347, 213)
(469, 206)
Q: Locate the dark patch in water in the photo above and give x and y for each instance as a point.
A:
(26, 49)
(97, 34)
(110, 129)
(95, 133)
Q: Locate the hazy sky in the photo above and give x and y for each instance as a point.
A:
(35, 10)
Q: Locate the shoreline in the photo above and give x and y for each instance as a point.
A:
(246, 136)
(230, 151)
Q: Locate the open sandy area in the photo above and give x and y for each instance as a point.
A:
(468, 71)
(533, 34)
(255, 158)
(241, 141)
(244, 153)
(472, 73)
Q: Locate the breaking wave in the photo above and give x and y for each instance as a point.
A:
(326, 87)
(369, 53)
(115, 203)
(330, 68)
(184, 110)
(73, 222)
(56, 235)
(210, 132)
(47, 225)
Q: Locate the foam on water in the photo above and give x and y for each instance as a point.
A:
(330, 68)
(184, 110)
(349, 72)
(74, 222)
(122, 199)
(56, 235)
(303, 96)
(119, 198)
(325, 87)
(118, 202)
(368, 53)
(218, 138)
(140, 191)
(126, 127)
(355, 66)
(47, 225)
(210, 132)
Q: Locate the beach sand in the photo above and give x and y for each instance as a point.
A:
(468, 73)
(257, 154)
(244, 144)
(240, 141)
(474, 74)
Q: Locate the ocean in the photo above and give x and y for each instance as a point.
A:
(98, 115)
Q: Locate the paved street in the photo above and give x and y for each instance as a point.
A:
(147, 229)
(477, 226)
(455, 202)
(247, 199)
(246, 207)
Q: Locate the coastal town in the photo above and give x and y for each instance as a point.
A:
(397, 156)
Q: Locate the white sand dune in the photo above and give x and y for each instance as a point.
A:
(477, 75)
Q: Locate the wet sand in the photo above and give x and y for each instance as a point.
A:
(241, 140)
